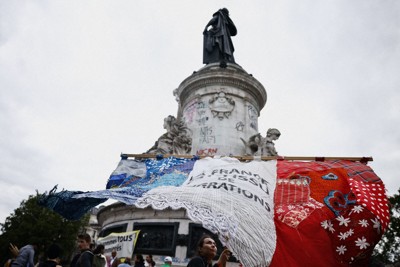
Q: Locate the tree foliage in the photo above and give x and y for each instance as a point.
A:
(388, 249)
(33, 223)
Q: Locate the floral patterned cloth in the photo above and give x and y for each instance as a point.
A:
(348, 201)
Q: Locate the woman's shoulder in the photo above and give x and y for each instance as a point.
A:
(196, 261)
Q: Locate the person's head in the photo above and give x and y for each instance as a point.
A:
(114, 253)
(206, 247)
(149, 258)
(139, 258)
(127, 261)
(54, 252)
(99, 249)
(84, 241)
(168, 260)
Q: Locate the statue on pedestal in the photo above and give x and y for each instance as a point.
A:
(218, 46)
(177, 139)
(269, 146)
(260, 146)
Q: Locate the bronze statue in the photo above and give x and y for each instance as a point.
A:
(218, 46)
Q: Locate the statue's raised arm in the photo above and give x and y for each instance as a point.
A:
(218, 46)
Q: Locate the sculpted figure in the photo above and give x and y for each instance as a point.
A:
(177, 139)
(260, 146)
(254, 145)
(269, 146)
(218, 46)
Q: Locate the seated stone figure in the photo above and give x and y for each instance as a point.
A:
(253, 145)
(177, 139)
(260, 146)
(269, 146)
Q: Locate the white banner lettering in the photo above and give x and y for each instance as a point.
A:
(122, 243)
(229, 198)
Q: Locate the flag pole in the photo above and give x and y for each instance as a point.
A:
(245, 158)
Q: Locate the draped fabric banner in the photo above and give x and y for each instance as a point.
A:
(130, 180)
(324, 214)
(231, 199)
(317, 213)
(122, 243)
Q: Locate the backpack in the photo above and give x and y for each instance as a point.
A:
(98, 261)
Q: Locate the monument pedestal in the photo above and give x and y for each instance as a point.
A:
(220, 106)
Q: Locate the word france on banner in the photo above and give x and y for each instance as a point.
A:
(123, 243)
(242, 180)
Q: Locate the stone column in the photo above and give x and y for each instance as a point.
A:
(220, 106)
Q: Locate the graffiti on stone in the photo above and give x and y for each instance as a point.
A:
(190, 111)
(239, 126)
(253, 115)
(202, 117)
(207, 152)
(207, 135)
(202, 121)
(201, 105)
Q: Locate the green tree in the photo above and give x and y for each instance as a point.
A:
(388, 249)
(31, 222)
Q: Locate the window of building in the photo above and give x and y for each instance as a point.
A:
(156, 238)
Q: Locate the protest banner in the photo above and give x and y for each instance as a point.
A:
(122, 243)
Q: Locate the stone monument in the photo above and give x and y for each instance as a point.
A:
(219, 104)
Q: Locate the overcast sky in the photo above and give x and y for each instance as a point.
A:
(83, 81)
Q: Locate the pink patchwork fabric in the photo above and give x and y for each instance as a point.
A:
(292, 191)
(293, 215)
(292, 200)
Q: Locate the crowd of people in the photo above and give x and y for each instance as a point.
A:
(89, 257)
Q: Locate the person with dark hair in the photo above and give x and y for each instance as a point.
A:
(149, 261)
(126, 262)
(139, 261)
(116, 262)
(206, 250)
(86, 256)
(53, 257)
(99, 259)
(113, 257)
